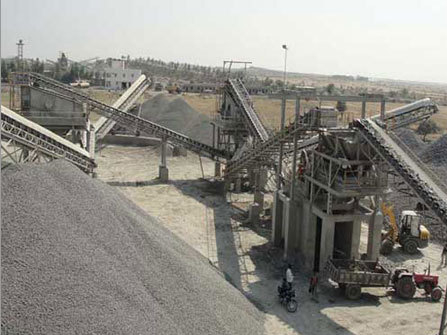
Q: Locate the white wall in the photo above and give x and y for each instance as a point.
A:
(116, 78)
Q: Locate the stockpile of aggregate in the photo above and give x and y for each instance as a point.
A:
(436, 152)
(80, 258)
(177, 114)
(411, 139)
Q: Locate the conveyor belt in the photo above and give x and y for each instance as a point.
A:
(241, 98)
(266, 153)
(414, 175)
(403, 116)
(104, 125)
(127, 120)
(35, 137)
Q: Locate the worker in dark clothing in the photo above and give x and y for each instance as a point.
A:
(444, 255)
(313, 286)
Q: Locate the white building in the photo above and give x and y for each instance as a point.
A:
(118, 77)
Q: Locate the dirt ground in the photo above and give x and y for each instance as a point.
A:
(269, 109)
(194, 209)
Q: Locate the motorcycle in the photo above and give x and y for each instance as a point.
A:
(287, 296)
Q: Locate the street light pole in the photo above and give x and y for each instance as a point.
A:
(283, 121)
(285, 64)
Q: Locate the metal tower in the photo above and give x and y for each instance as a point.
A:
(20, 65)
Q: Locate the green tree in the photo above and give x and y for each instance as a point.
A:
(330, 88)
(341, 106)
(4, 71)
(427, 127)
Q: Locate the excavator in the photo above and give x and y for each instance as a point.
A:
(409, 231)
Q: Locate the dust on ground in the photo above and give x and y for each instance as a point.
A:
(193, 208)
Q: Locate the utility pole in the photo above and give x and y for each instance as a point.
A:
(444, 311)
(283, 119)
(285, 65)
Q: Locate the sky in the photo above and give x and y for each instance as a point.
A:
(396, 39)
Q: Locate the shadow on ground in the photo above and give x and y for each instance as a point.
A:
(268, 269)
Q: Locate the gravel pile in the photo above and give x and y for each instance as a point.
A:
(80, 258)
(436, 152)
(411, 139)
(177, 114)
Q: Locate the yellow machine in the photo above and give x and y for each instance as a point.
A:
(409, 231)
(173, 88)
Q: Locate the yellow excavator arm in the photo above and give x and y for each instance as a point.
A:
(388, 210)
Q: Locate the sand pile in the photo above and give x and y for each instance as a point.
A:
(411, 139)
(177, 114)
(436, 152)
(80, 258)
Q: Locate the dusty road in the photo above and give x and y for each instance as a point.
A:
(194, 210)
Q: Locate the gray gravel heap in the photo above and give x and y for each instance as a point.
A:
(176, 114)
(436, 152)
(411, 139)
(80, 258)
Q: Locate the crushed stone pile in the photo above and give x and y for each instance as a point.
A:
(436, 152)
(177, 114)
(80, 258)
(411, 139)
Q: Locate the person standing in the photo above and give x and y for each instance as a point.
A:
(289, 276)
(313, 286)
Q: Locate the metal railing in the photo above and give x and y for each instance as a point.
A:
(420, 187)
(242, 98)
(36, 138)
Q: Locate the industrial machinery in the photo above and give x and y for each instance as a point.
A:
(408, 231)
(173, 89)
(406, 282)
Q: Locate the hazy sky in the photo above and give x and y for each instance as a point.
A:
(401, 39)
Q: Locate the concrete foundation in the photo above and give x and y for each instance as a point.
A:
(259, 199)
(163, 173)
(217, 169)
(374, 235)
(254, 211)
(277, 220)
(313, 236)
(238, 185)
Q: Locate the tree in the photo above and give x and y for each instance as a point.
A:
(341, 106)
(427, 127)
(4, 71)
(330, 88)
(404, 92)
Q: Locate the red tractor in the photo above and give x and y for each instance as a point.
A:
(406, 282)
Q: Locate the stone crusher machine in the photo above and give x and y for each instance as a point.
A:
(408, 231)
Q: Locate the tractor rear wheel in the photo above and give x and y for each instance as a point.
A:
(436, 294)
(410, 247)
(406, 288)
(387, 247)
(353, 291)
